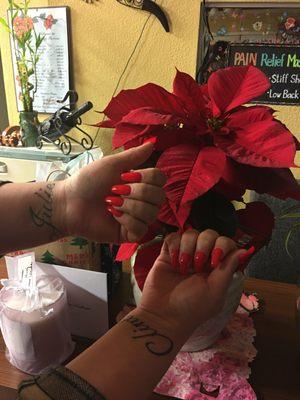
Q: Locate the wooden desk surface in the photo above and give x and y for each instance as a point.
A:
(276, 369)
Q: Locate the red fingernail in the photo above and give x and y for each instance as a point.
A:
(114, 201)
(184, 262)
(152, 140)
(121, 189)
(216, 257)
(199, 261)
(114, 212)
(243, 258)
(131, 177)
(174, 258)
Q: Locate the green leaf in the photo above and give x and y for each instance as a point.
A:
(39, 41)
(4, 24)
(30, 48)
(16, 6)
(296, 226)
(291, 215)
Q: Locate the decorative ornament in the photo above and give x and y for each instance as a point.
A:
(150, 6)
(290, 23)
(235, 14)
(257, 26)
(11, 136)
(222, 31)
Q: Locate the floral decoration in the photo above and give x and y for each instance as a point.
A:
(209, 143)
(27, 44)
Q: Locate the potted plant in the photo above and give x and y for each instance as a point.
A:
(26, 45)
(212, 148)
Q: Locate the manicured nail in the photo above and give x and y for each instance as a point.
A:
(199, 261)
(152, 140)
(216, 257)
(131, 177)
(114, 201)
(121, 189)
(184, 262)
(114, 212)
(174, 258)
(243, 258)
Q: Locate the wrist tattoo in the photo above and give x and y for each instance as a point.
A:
(42, 215)
(160, 345)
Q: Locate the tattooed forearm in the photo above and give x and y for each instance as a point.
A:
(159, 345)
(42, 215)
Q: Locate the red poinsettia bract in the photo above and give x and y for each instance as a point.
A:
(208, 138)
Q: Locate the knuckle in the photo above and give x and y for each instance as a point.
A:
(172, 237)
(226, 241)
(191, 233)
(209, 234)
(139, 231)
(145, 190)
(161, 197)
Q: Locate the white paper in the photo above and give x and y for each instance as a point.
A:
(53, 66)
(87, 296)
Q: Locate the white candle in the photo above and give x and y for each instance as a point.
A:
(36, 332)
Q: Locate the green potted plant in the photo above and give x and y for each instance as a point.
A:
(26, 45)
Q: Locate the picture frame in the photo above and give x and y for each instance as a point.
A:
(54, 74)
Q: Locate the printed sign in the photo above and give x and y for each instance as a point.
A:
(281, 63)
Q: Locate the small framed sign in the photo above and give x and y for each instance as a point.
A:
(281, 63)
(53, 67)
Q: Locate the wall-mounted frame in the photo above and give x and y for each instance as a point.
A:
(53, 69)
(228, 24)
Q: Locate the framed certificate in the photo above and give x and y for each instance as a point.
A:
(53, 67)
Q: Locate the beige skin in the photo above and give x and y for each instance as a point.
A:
(122, 366)
(37, 213)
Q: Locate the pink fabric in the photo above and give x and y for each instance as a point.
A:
(224, 366)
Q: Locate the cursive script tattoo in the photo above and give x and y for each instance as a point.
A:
(42, 216)
(160, 345)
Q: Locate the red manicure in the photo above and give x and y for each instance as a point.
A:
(152, 140)
(131, 177)
(184, 262)
(114, 201)
(243, 258)
(114, 212)
(199, 261)
(121, 189)
(216, 257)
(174, 258)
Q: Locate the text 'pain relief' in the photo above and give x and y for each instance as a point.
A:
(267, 60)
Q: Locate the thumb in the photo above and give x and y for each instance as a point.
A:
(132, 158)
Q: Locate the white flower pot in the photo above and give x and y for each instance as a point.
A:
(206, 334)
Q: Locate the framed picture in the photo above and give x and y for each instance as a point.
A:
(53, 68)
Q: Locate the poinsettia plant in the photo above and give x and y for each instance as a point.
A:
(212, 148)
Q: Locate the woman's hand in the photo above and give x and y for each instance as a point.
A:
(188, 282)
(97, 207)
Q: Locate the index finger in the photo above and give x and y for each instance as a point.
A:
(152, 176)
